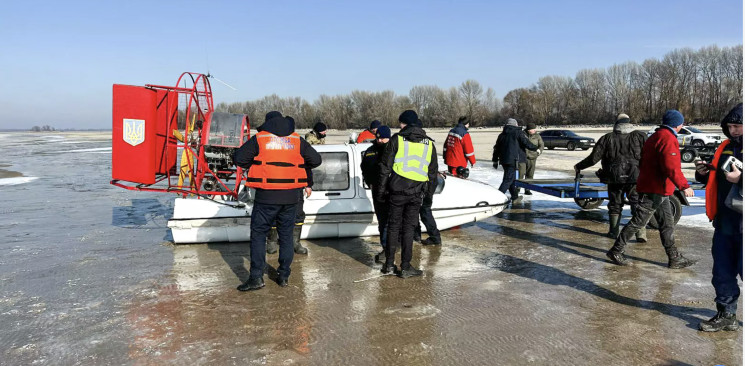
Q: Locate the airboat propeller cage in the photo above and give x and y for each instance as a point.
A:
(170, 139)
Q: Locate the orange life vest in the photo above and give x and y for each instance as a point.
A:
(279, 164)
(711, 184)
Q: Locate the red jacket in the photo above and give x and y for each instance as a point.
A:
(365, 136)
(458, 149)
(659, 171)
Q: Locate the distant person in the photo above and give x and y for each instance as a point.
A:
(508, 150)
(317, 136)
(369, 135)
(276, 159)
(458, 149)
(527, 170)
(659, 175)
(727, 241)
(407, 171)
(619, 153)
(370, 167)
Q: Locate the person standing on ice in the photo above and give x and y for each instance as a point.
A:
(458, 149)
(508, 151)
(527, 169)
(370, 167)
(727, 241)
(369, 135)
(317, 136)
(408, 171)
(659, 175)
(619, 153)
(276, 159)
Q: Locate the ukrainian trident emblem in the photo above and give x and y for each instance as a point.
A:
(134, 131)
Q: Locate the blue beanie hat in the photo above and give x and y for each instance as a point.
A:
(672, 118)
(408, 117)
(384, 132)
(375, 124)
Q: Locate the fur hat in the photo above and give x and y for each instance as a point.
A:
(623, 118)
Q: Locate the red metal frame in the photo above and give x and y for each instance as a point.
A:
(198, 106)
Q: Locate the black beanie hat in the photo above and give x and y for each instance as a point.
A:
(271, 115)
(319, 127)
(530, 126)
(409, 117)
(734, 116)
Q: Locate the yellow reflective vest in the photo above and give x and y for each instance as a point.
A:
(412, 159)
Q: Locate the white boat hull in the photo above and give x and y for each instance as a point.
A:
(332, 214)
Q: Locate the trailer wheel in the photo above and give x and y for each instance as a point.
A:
(589, 203)
(687, 156)
(677, 212)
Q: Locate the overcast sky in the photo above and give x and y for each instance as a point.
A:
(59, 59)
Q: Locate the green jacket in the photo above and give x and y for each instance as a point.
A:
(536, 140)
(313, 139)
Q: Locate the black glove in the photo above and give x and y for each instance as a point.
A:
(495, 165)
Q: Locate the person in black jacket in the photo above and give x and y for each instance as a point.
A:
(273, 199)
(726, 245)
(509, 151)
(371, 175)
(619, 153)
(408, 171)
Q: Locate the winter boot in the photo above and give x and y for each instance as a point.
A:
(380, 257)
(722, 321)
(615, 226)
(272, 241)
(410, 272)
(677, 260)
(528, 192)
(432, 241)
(299, 248)
(641, 235)
(615, 254)
(389, 269)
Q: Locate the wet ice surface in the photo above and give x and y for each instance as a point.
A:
(87, 276)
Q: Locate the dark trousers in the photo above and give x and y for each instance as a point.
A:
(650, 205)
(508, 180)
(381, 213)
(616, 193)
(727, 253)
(425, 213)
(403, 217)
(262, 217)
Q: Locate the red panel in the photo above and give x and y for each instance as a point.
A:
(165, 141)
(133, 138)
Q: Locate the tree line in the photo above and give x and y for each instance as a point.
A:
(45, 128)
(703, 84)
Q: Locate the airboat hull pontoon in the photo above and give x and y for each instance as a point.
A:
(340, 205)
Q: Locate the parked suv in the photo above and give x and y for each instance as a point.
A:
(566, 138)
(694, 137)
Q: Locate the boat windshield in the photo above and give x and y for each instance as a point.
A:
(225, 129)
(333, 173)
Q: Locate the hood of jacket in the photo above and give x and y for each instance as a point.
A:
(512, 130)
(278, 126)
(412, 133)
(623, 128)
